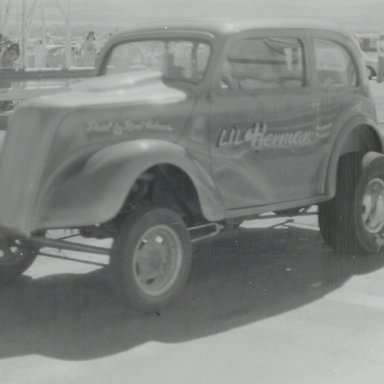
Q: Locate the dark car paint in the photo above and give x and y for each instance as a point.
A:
(70, 160)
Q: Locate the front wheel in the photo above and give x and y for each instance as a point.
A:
(16, 256)
(151, 258)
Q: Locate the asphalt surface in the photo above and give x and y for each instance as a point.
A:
(269, 303)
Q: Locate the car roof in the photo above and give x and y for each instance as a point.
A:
(229, 26)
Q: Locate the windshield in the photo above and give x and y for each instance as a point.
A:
(181, 59)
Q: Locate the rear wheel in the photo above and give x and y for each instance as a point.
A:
(369, 219)
(353, 222)
(151, 258)
(16, 256)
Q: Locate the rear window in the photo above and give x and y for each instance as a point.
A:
(334, 64)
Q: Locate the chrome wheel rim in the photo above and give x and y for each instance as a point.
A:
(157, 260)
(11, 251)
(373, 206)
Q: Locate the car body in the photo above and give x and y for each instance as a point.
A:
(288, 129)
(221, 121)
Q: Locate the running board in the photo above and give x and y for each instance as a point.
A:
(204, 231)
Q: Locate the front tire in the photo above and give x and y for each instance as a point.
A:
(16, 256)
(151, 258)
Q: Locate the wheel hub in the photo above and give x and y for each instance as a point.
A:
(157, 260)
(373, 206)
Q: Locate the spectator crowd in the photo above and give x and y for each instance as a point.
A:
(51, 53)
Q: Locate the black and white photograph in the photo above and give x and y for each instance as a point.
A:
(192, 192)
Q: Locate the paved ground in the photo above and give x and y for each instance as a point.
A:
(268, 304)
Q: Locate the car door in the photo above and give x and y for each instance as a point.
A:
(335, 79)
(264, 144)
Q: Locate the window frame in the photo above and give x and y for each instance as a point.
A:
(102, 70)
(346, 49)
(297, 34)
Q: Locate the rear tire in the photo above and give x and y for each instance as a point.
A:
(353, 221)
(369, 217)
(151, 258)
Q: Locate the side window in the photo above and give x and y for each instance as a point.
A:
(334, 65)
(264, 63)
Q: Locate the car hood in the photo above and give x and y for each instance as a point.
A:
(54, 134)
(137, 88)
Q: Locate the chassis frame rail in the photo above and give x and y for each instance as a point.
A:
(197, 233)
(69, 246)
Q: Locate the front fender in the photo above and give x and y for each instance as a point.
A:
(96, 192)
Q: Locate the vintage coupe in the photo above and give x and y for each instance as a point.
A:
(189, 127)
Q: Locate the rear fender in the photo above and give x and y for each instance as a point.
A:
(97, 191)
(358, 135)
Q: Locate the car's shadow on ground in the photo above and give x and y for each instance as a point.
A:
(237, 279)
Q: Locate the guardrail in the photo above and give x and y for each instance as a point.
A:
(45, 74)
(16, 85)
(20, 84)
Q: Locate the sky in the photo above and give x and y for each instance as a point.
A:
(357, 15)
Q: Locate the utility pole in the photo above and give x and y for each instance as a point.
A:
(43, 31)
(24, 33)
(1, 16)
(68, 31)
(4, 15)
(27, 13)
